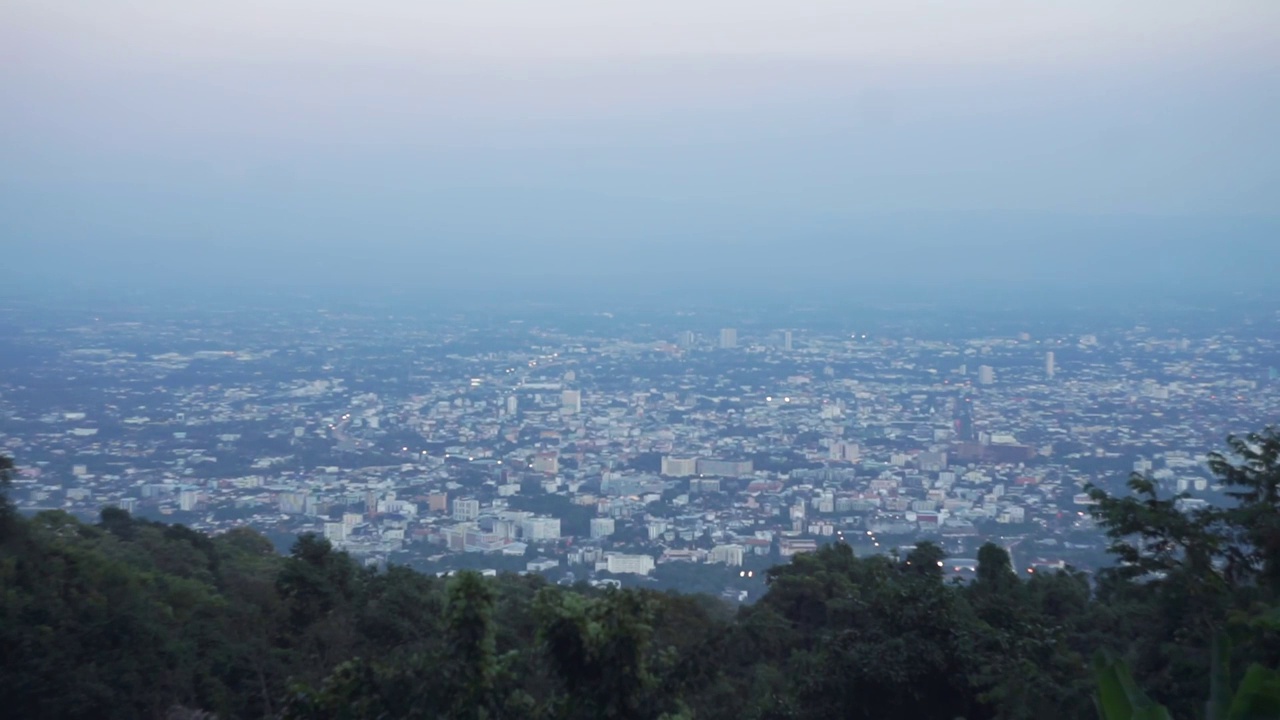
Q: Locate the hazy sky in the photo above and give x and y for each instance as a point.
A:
(437, 142)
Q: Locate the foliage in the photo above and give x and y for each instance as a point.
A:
(1119, 697)
(1257, 698)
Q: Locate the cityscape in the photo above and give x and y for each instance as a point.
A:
(670, 451)
(712, 360)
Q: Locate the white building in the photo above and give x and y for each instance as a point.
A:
(634, 564)
(602, 527)
(728, 338)
(466, 509)
(188, 499)
(535, 529)
(730, 555)
(546, 462)
(571, 402)
(845, 451)
(678, 467)
(335, 532)
(986, 375)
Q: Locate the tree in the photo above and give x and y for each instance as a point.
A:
(926, 559)
(995, 570)
(1251, 471)
(469, 647)
(599, 649)
(8, 513)
(1184, 574)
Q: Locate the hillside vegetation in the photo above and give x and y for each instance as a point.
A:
(127, 618)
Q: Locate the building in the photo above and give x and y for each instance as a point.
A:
(602, 527)
(335, 532)
(633, 564)
(986, 375)
(684, 339)
(730, 555)
(546, 462)
(932, 462)
(188, 500)
(466, 509)
(467, 537)
(513, 406)
(1049, 367)
(794, 546)
(725, 468)
(536, 529)
(571, 402)
(438, 502)
(679, 467)
(786, 340)
(293, 503)
(728, 338)
(704, 485)
(845, 452)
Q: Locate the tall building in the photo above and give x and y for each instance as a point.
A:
(571, 402)
(438, 502)
(466, 509)
(293, 503)
(728, 338)
(602, 527)
(513, 406)
(786, 340)
(730, 555)
(335, 532)
(540, 529)
(684, 339)
(1049, 367)
(845, 451)
(986, 375)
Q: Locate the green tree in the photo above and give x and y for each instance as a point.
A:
(469, 646)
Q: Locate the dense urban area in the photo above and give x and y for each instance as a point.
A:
(664, 452)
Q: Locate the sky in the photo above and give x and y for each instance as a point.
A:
(712, 143)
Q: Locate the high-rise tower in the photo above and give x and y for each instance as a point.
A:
(986, 375)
